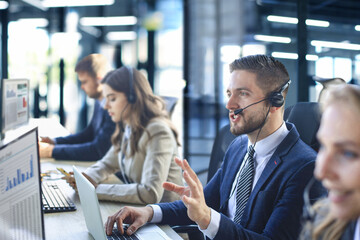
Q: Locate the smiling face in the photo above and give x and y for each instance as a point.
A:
(243, 91)
(116, 104)
(338, 160)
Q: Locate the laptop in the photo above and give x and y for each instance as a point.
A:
(21, 215)
(91, 209)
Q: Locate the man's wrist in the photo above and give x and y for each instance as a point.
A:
(205, 221)
(150, 212)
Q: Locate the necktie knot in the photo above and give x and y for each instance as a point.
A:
(251, 151)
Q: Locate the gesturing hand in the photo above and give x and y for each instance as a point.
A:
(192, 195)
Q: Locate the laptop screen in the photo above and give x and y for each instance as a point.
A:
(20, 195)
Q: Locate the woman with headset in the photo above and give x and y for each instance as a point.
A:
(338, 168)
(144, 143)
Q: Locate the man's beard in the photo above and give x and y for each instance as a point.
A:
(250, 124)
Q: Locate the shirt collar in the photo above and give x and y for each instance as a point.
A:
(102, 102)
(266, 145)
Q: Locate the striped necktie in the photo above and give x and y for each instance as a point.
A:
(244, 185)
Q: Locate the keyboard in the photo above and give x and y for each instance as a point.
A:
(116, 235)
(54, 200)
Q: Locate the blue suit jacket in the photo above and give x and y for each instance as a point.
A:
(276, 202)
(90, 144)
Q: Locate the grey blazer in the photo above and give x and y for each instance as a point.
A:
(151, 165)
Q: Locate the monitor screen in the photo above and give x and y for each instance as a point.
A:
(15, 103)
(21, 214)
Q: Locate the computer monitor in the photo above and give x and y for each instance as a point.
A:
(14, 107)
(21, 215)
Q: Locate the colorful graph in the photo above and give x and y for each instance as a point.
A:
(20, 177)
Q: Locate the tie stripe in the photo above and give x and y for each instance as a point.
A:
(244, 185)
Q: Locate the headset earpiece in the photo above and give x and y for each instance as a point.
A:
(131, 96)
(276, 99)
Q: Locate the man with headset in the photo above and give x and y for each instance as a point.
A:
(93, 142)
(257, 193)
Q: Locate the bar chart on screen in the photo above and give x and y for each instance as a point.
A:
(20, 198)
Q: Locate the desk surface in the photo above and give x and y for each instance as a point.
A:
(71, 225)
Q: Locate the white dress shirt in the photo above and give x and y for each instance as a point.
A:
(264, 149)
(357, 230)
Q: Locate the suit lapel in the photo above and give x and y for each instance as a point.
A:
(270, 168)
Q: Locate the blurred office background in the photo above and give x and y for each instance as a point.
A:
(182, 46)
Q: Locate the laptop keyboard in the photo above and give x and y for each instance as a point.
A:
(54, 200)
(117, 235)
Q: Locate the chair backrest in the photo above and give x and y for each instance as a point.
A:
(170, 103)
(222, 140)
(306, 118)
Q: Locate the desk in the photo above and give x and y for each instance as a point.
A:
(46, 127)
(71, 225)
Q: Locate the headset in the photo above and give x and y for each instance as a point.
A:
(276, 99)
(131, 96)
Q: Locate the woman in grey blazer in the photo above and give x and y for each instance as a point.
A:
(144, 143)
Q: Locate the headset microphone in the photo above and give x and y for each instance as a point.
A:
(236, 112)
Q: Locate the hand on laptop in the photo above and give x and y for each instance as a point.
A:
(192, 195)
(136, 217)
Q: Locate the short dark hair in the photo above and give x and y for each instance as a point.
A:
(96, 65)
(271, 74)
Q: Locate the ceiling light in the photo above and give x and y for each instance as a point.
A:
(292, 20)
(4, 5)
(76, 3)
(311, 57)
(317, 23)
(277, 39)
(37, 22)
(339, 45)
(284, 55)
(118, 36)
(280, 19)
(108, 21)
(357, 27)
(294, 56)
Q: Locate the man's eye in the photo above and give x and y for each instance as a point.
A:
(243, 94)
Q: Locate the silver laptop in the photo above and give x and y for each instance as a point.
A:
(91, 209)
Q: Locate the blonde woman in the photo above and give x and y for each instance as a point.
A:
(144, 143)
(338, 167)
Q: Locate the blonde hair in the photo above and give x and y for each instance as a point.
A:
(146, 107)
(330, 227)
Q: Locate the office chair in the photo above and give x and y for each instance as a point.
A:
(170, 103)
(306, 118)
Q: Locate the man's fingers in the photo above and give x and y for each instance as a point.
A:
(173, 188)
(186, 167)
(188, 201)
(194, 187)
(109, 225)
(135, 226)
